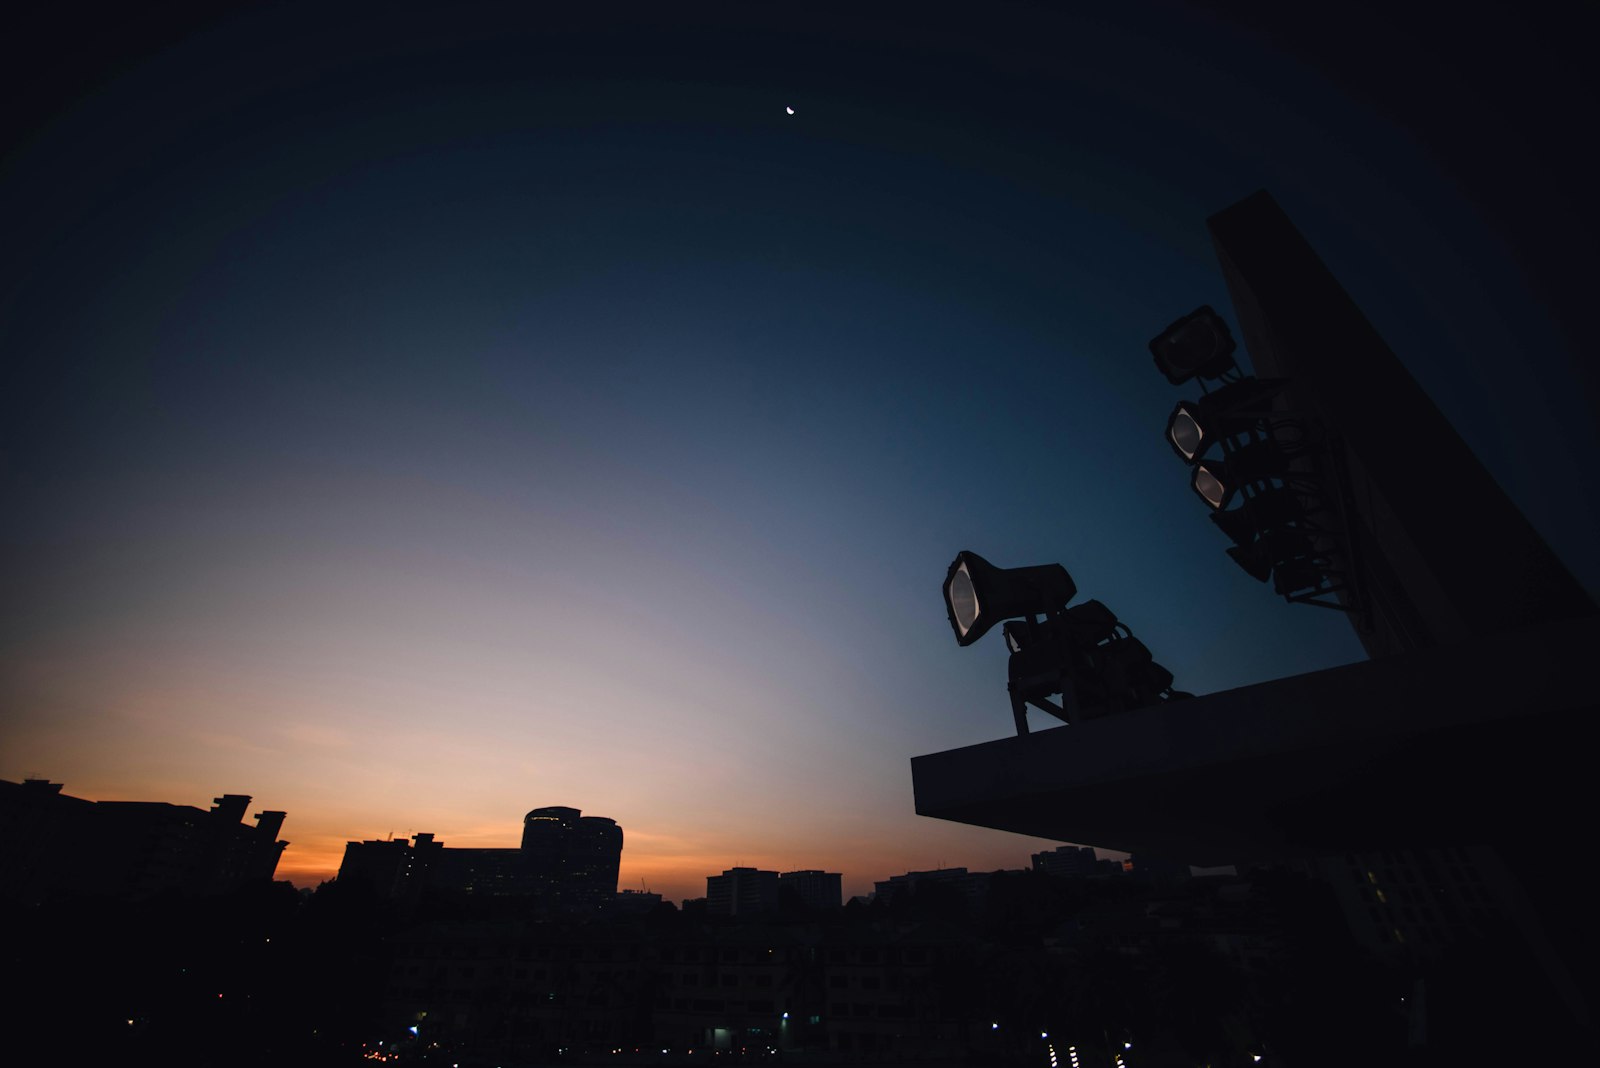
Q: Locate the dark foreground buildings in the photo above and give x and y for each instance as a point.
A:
(747, 892)
(55, 844)
(982, 968)
(567, 862)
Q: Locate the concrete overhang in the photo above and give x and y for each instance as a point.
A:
(1471, 743)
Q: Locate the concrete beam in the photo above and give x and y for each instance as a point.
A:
(1445, 745)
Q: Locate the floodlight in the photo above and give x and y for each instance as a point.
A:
(977, 595)
(1237, 524)
(1127, 653)
(1186, 432)
(1270, 509)
(1126, 676)
(1199, 344)
(1083, 625)
(1046, 654)
(1216, 481)
(1297, 576)
(1157, 678)
(1274, 508)
(1226, 412)
(1210, 481)
(1253, 564)
(1089, 623)
(1274, 551)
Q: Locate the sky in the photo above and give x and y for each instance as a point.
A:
(421, 414)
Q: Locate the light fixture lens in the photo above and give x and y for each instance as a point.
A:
(963, 599)
(1185, 434)
(1210, 487)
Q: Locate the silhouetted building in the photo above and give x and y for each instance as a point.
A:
(875, 985)
(813, 889)
(1404, 904)
(567, 861)
(972, 887)
(571, 856)
(742, 892)
(1067, 860)
(394, 868)
(757, 988)
(635, 902)
(592, 861)
(54, 843)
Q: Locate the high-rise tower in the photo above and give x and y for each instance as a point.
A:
(572, 857)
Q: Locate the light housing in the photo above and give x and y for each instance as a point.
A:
(1271, 509)
(1089, 623)
(1216, 481)
(1083, 625)
(1237, 524)
(977, 595)
(1197, 345)
(1229, 411)
(1296, 576)
(1274, 553)
(1251, 561)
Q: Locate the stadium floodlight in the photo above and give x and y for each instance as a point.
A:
(1090, 623)
(1252, 562)
(977, 595)
(1237, 524)
(1197, 345)
(1080, 627)
(1273, 479)
(1292, 578)
(1084, 653)
(1217, 481)
(1234, 409)
(1265, 510)
(1274, 551)
(1046, 656)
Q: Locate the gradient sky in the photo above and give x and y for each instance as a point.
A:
(419, 415)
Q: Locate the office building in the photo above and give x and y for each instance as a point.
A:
(567, 862)
(1068, 861)
(742, 892)
(813, 889)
